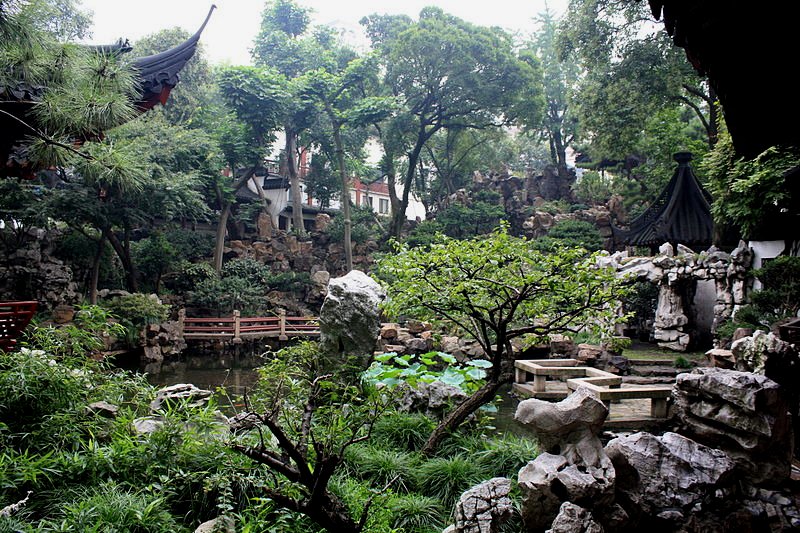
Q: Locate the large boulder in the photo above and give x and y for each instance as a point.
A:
(742, 413)
(180, 394)
(485, 507)
(569, 427)
(663, 480)
(349, 319)
(754, 352)
(574, 466)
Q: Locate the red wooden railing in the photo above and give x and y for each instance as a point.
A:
(14, 318)
(235, 328)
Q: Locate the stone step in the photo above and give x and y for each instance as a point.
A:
(653, 370)
(648, 380)
(651, 362)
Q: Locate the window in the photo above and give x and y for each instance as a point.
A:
(383, 206)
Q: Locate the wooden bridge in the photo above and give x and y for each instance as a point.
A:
(14, 318)
(236, 329)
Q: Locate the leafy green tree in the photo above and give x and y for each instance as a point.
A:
(560, 77)
(345, 102)
(630, 72)
(496, 289)
(287, 44)
(447, 73)
(257, 98)
(748, 192)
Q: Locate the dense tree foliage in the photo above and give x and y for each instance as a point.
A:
(496, 289)
(447, 73)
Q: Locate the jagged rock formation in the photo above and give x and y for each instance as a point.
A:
(33, 272)
(744, 414)
(574, 466)
(484, 507)
(574, 519)
(662, 480)
(674, 273)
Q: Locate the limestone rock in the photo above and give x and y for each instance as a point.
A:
(389, 331)
(742, 413)
(419, 345)
(664, 479)
(417, 327)
(549, 480)
(102, 408)
(562, 345)
(220, 524)
(433, 399)
(574, 519)
(450, 344)
(570, 426)
(484, 507)
(322, 221)
(581, 474)
(349, 319)
(588, 354)
(753, 352)
(146, 425)
(180, 393)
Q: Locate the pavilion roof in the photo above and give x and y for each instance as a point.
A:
(680, 215)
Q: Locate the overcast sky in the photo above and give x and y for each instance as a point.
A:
(234, 24)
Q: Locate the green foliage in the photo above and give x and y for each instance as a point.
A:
(478, 218)
(154, 257)
(462, 280)
(682, 362)
(138, 310)
(391, 370)
(86, 334)
(573, 234)
(110, 507)
(188, 276)
(380, 466)
(406, 431)
(748, 192)
(190, 245)
(415, 513)
(364, 225)
(593, 188)
(225, 295)
(445, 478)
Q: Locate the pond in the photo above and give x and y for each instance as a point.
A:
(237, 374)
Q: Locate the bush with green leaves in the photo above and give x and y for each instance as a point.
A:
(779, 297)
(135, 311)
(364, 226)
(112, 507)
(190, 245)
(573, 234)
(154, 257)
(86, 333)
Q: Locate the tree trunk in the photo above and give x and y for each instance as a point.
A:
(348, 245)
(399, 216)
(95, 276)
(457, 416)
(125, 258)
(219, 241)
(294, 181)
(225, 211)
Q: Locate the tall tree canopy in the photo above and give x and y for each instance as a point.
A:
(447, 73)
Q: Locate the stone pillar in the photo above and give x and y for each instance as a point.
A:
(671, 319)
